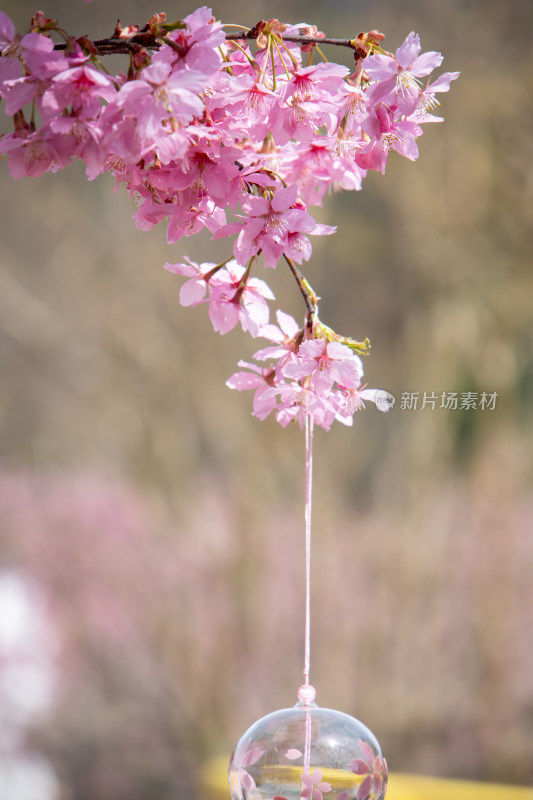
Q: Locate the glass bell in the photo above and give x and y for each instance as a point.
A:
(305, 753)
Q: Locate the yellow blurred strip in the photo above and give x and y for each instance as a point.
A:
(401, 787)
(418, 787)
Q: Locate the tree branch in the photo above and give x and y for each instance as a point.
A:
(295, 37)
(111, 46)
(308, 293)
(123, 45)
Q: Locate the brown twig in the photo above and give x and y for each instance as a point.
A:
(111, 46)
(123, 45)
(308, 293)
(294, 37)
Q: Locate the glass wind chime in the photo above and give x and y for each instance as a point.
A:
(306, 752)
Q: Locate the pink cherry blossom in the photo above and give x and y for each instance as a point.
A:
(311, 97)
(76, 137)
(161, 95)
(82, 87)
(9, 51)
(297, 402)
(237, 298)
(194, 290)
(30, 155)
(326, 363)
(20, 91)
(40, 57)
(232, 294)
(208, 165)
(190, 212)
(198, 43)
(427, 99)
(388, 132)
(351, 400)
(263, 381)
(7, 30)
(397, 78)
(285, 336)
(267, 225)
(249, 102)
(316, 81)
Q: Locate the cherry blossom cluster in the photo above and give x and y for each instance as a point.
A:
(317, 376)
(237, 132)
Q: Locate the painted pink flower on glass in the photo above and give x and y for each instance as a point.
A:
(240, 779)
(313, 787)
(374, 768)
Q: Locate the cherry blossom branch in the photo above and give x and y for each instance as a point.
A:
(308, 293)
(205, 133)
(296, 39)
(121, 46)
(153, 35)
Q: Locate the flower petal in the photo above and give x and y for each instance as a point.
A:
(363, 793)
(293, 753)
(193, 292)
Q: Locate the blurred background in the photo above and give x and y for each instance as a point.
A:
(151, 530)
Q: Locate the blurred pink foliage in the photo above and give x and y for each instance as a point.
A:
(93, 551)
(164, 640)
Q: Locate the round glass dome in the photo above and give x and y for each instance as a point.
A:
(306, 752)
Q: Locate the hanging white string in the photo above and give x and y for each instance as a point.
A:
(306, 693)
(308, 507)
